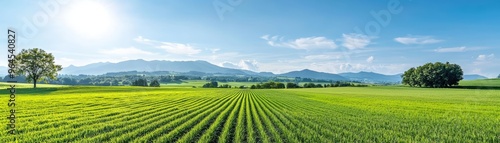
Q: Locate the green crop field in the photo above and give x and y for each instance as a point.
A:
(492, 83)
(176, 114)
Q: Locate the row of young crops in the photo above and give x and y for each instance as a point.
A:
(226, 115)
(217, 116)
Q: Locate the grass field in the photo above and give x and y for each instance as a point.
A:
(480, 84)
(167, 114)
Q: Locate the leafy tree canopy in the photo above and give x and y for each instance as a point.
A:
(155, 83)
(37, 65)
(433, 75)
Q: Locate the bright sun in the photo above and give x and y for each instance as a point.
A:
(89, 18)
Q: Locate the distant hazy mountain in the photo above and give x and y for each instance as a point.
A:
(371, 77)
(200, 67)
(142, 65)
(267, 74)
(3, 71)
(474, 77)
(306, 73)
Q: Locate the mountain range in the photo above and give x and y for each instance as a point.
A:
(371, 77)
(149, 66)
(206, 67)
(306, 73)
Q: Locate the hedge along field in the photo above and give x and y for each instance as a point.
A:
(371, 114)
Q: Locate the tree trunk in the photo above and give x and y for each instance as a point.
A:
(34, 83)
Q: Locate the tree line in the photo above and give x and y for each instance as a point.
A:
(144, 82)
(279, 85)
(435, 75)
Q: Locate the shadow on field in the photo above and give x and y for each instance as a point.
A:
(478, 87)
(31, 91)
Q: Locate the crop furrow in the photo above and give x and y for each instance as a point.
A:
(156, 131)
(273, 131)
(100, 126)
(262, 135)
(131, 124)
(204, 116)
(228, 130)
(241, 125)
(308, 135)
(209, 128)
(99, 119)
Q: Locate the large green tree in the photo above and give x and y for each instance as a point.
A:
(155, 83)
(433, 75)
(37, 65)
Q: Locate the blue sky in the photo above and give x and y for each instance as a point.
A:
(385, 36)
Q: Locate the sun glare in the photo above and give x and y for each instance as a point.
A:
(89, 18)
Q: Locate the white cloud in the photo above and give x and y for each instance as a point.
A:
(306, 43)
(370, 59)
(64, 61)
(417, 40)
(485, 57)
(323, 57)
(230, 65)
(177, 48)
(313, 42)
(243, 64)
(355, 41)
(170, 47)
(225, 56)
(143, 40)
(272, 40)
(486, 65)
(249, 65)
(457, 49)
(481, 57)
(265, 37)
(214, 50)
(476, 71)
(345, 67)
(447, 50)
(125, 51)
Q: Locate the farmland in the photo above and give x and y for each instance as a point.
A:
(184, 114)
